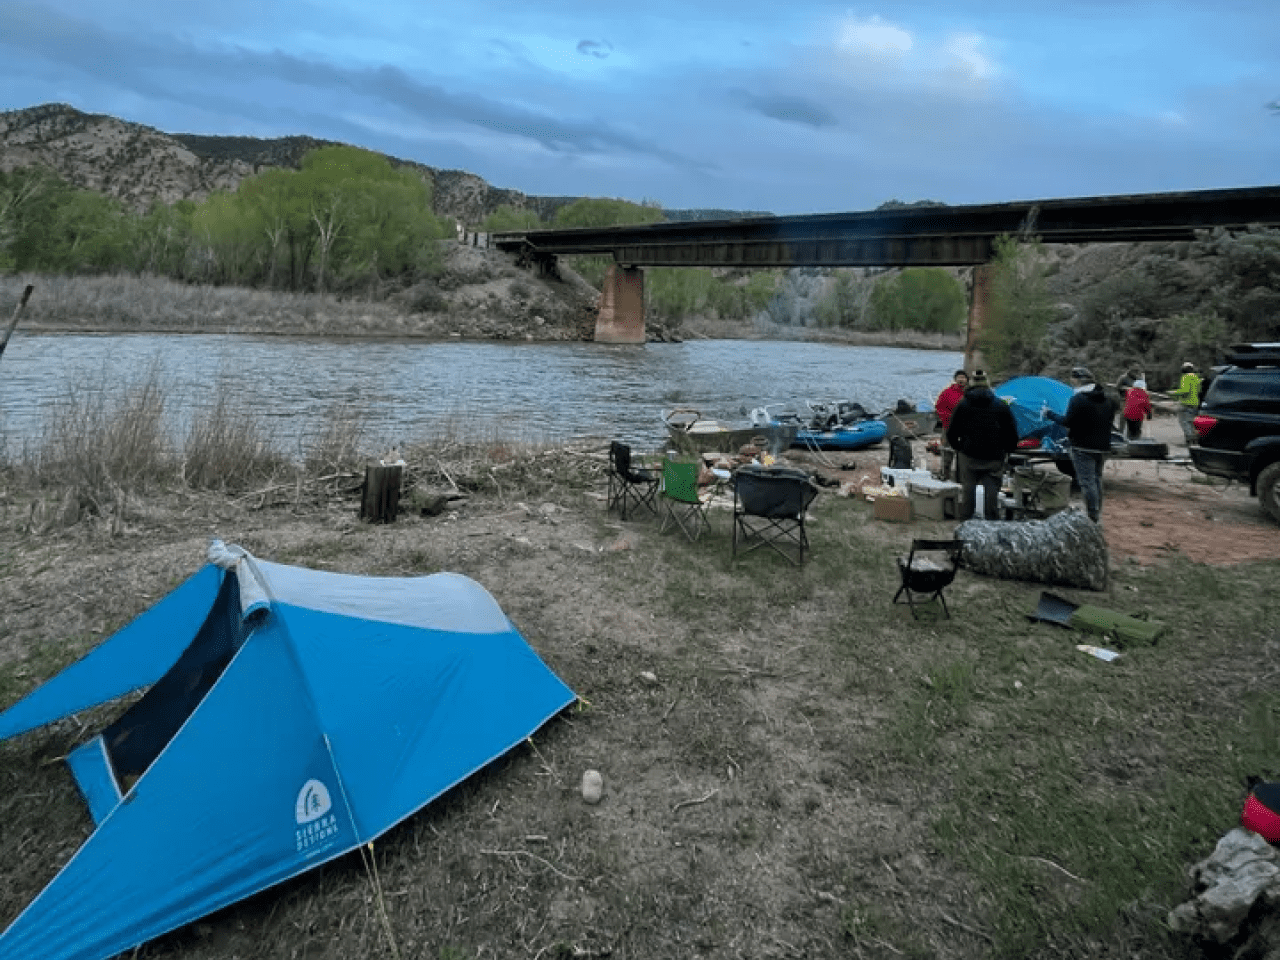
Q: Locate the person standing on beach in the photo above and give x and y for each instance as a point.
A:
(944, 407)
(1088, 421)
(1188, 393)
(1137, 407)
(983, 432)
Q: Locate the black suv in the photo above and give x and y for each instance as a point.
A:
(1238, 424)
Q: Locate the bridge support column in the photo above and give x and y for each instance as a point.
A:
(621, 317)
(979, 311)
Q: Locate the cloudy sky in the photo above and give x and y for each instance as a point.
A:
(763, 105)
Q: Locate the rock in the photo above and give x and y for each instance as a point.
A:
(1242, 869)
(648, 676)
(592, 786)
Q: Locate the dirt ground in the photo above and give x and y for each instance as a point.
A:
(1151, 509)
(751, 806)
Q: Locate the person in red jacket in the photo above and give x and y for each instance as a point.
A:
(944, 406)
(1137, 407)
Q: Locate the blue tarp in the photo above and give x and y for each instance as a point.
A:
(1027, 396)
(344, 705)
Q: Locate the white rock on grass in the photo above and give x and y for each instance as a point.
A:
(592, 786)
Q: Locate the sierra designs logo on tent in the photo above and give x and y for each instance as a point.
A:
(316, 823)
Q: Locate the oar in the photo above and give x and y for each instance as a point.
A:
(26, 295)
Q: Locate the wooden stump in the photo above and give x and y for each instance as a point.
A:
(380, 499)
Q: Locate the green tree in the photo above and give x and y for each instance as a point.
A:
(919, 298)
(231, 247)
(162, 239)
(509, 218)
(1019, 309)
(65, 230)
(848, 301)
(593, 212)
(346, 218)
(21, 193)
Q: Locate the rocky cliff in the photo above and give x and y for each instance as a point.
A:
(140, 165)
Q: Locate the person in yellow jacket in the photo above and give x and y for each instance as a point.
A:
(1188, 393)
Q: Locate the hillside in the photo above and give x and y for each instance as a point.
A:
(141, 165)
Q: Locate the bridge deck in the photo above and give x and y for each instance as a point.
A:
(918, 236)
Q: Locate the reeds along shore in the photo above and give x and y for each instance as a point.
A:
(124, 303)
(104, 449)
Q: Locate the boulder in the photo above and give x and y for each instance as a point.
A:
(1242, 873)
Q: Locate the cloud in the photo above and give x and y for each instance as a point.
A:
(787, 108)
(874, 50)
(874, 36)
(176, 70)
(595, 48)
(965, 51)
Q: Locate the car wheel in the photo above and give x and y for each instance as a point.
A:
(1269, 489)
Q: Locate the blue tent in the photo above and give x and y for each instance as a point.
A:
(292, 715)
(1027, 396)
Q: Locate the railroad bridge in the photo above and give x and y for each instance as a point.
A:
(941, 236)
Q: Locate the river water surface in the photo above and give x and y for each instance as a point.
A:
(412, 390)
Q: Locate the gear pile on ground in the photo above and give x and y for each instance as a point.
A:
(1067, 549)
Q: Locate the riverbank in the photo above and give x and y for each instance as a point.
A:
(480, 295)
(793, 766)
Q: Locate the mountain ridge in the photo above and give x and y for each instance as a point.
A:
(141, 165)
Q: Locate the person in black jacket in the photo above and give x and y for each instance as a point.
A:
(984, 433)
(1088, 421)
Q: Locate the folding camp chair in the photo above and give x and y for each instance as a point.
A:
(770, 505)
(629, 487)
(685, 504)
(927, 570)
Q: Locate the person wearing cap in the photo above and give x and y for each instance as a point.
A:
(1088, 420)
(1137, 407)
(944, 406)
(1188, 393)
(983, 432)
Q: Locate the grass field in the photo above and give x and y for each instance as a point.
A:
(793, 766)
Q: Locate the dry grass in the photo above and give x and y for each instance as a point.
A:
(152, 303)
(793, 766)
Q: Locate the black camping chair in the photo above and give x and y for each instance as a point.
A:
(770, 505)
(629, 487)
(900, 456)
(926, 571)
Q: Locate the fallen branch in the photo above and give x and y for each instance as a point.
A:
(690, 803)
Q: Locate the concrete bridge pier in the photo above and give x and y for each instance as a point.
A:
(621, 317)
(979, 311)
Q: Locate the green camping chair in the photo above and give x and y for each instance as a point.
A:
(684, 503)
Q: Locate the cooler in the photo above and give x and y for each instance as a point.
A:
(902, 476)
(935, 499)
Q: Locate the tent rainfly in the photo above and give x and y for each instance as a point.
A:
(291, 715)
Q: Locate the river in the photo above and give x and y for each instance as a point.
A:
(408, 391)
